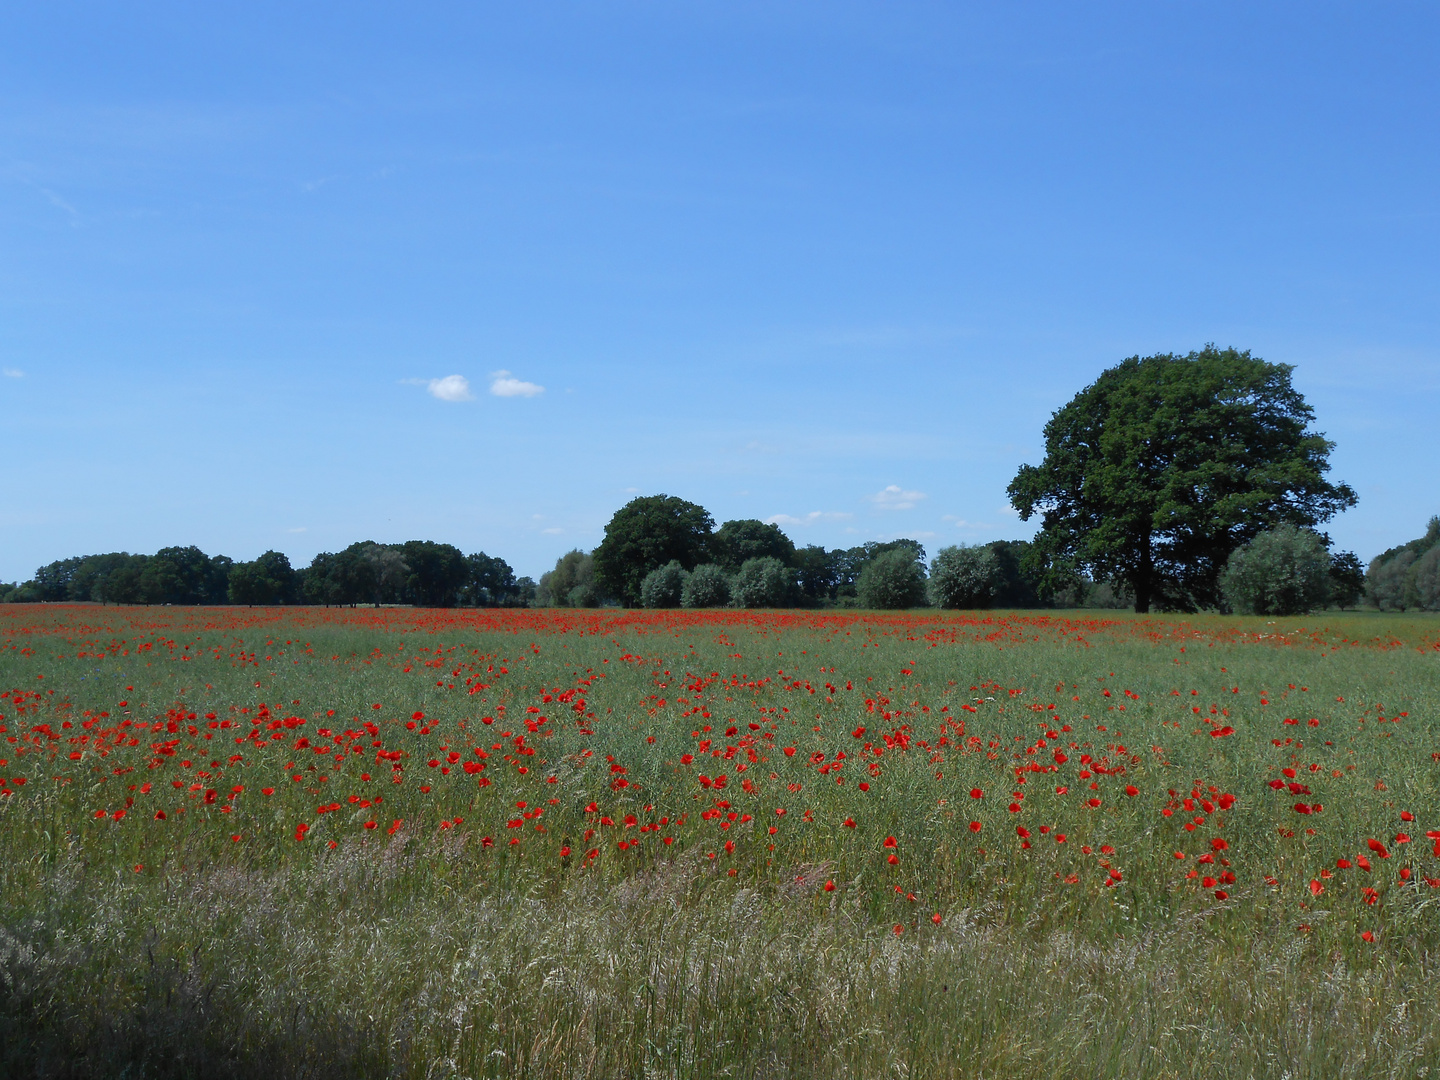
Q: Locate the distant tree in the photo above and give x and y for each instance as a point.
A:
(121, 583)
(436, 573)
(1021, 585)
(524, 593)
(647, 533)
(1103, 594)
(848, 564)
(177, 575)
(893, 579)
(763, 583)
(965, 577)
(52, 581)
(571, 583)
(1347, 579)
(1387, 582)
(663, 585)
(267, 580)
(1163, 466)
(1425, 580)
(707, 586)
(390, 572)
(736, 541)
(818, 574)
(1390, 583)
(490, 582)
(1285, 571)
(322, 582)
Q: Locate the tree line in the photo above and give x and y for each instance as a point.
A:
(419, 572)
(662, 551)
(1177, 483)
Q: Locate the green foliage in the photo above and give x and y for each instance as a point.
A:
(1157, 471)
(1104, 595)
(763, 583)
(268, 580)
(735, 542)
(816, 574)
(965, 577)
(491, 583)
(1347, 579)
(1425, 580)
(436, 573)
(571, 583)
(1285, 571)
(707, 586)
(647, 533)
(892, 580)
(1393, 582)
(663, 585)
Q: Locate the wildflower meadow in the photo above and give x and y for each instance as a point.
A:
(484, 843)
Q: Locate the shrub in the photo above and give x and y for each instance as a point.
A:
(892, 580)
(965, 577)
(661, 588)
(764, 582)
(1285, 571)
(707, 586)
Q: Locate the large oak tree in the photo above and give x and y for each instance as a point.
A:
(1166, 464)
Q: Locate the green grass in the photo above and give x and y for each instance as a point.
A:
(431, 946)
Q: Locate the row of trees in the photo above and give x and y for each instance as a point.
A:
(1172, 482)
(661, 551)
(418, 572)
(1407, 577)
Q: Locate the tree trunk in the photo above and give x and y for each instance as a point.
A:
(1143, 574)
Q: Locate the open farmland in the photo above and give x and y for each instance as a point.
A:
(327, 842)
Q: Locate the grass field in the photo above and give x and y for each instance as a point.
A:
(309, 842)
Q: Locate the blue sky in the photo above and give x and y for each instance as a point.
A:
(832, 265)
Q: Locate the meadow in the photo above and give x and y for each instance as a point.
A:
(394, 842)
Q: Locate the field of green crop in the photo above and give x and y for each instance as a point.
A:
(324, 842)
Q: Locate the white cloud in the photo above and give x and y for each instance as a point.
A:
(552, 532)
(894, 498)
(298, 529)
(809, 519)
(450, 388)
(506, 385)
(961, 523)
(14, 373)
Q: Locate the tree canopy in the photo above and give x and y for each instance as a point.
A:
(645, 534)
(1166, 464)
(736, 542)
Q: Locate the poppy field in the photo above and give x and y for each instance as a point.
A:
(400, 842)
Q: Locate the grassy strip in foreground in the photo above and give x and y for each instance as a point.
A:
(932, 924)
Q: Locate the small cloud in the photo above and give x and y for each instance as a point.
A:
(961, 523)
(552, 532)
(13, 373)
(630, 491)
(809, 519)
(297, 529)
(450, 388)
(506, 385)
(894, 497)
